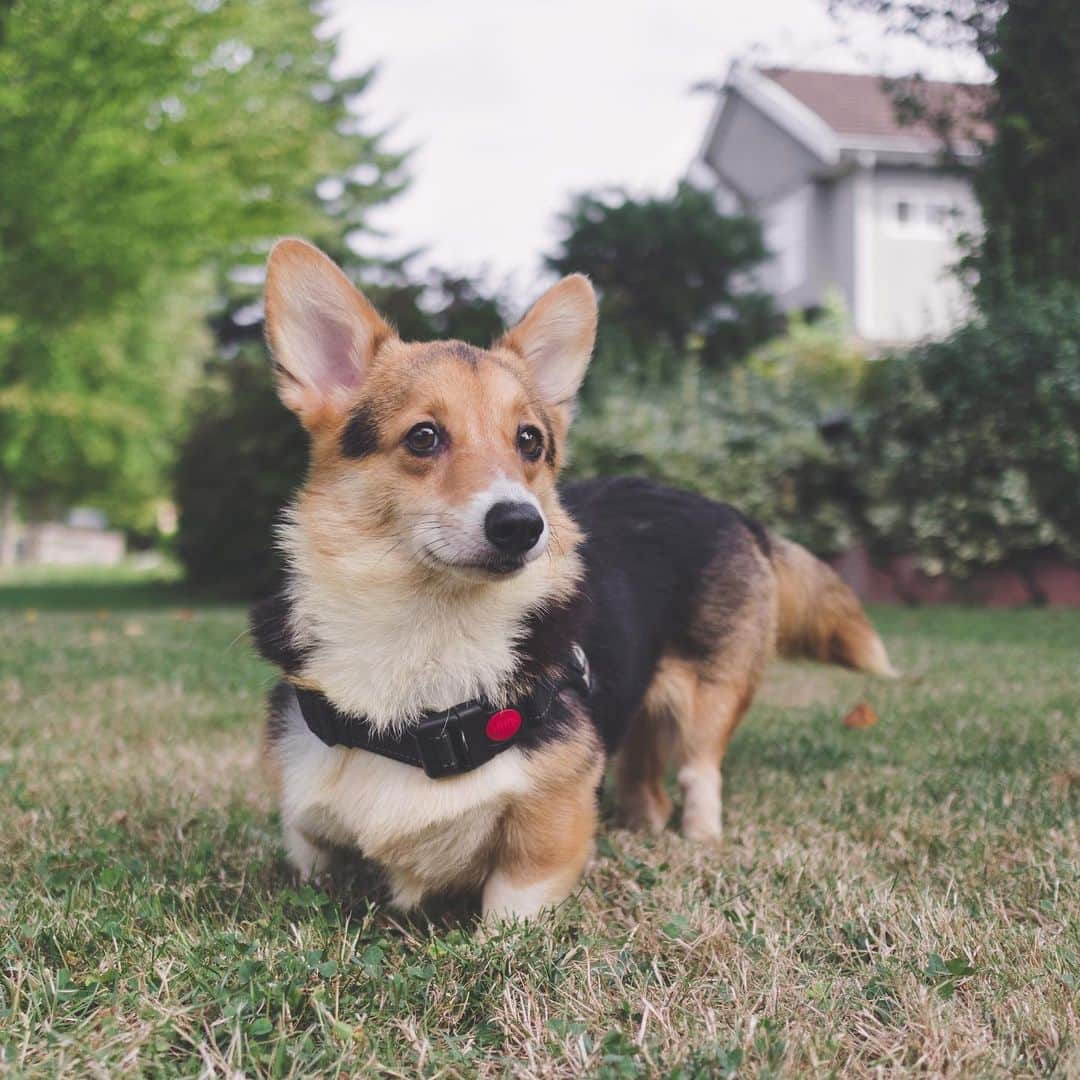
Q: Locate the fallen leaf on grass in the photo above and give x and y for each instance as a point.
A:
(184, 614)
(862, 716)
(1064, 781)
(133, 629)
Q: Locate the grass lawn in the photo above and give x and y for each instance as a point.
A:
(895, 899)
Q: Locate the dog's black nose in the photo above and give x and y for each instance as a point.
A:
(513, 527)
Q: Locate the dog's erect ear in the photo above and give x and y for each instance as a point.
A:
(556, 339)
(322, 332)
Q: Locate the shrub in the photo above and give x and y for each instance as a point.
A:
(742, 438)
(971, 446)
(817, 362)
(772, 437)
(243, 457)
(964, 452)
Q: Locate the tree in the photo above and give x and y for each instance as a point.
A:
(944, 23)
(671, 272)
(441, 304)
(143, 143)
(243, 456)
(244, 453)
(1028, 180)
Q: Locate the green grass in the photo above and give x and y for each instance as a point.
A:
(80, 588)
(902, 898)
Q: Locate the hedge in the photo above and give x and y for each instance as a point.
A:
(964, 452)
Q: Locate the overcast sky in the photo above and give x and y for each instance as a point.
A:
(511, 105)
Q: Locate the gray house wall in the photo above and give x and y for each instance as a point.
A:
(839, 224)
(825, 230)
(911, 279)
(769, 162)
(828, 209)
(767, 169)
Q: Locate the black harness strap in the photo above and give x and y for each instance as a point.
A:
(450, 741)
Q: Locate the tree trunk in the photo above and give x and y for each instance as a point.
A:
(8, 526)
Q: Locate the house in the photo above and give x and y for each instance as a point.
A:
(81, 540)
(850, 198)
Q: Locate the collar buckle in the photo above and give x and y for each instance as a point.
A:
(441, 742)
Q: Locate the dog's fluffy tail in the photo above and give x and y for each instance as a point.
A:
(820, 618)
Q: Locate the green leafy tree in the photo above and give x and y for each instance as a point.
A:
(943, 23)
(365, 175)
(672, 273)
(244, 453)
(143, 143)
(1028, 181)
(96, 412)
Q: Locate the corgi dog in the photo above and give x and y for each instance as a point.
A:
(464, 644)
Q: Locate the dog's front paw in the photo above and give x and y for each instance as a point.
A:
(309, 860)
(405, 891)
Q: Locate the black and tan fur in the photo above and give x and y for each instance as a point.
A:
(396, 604)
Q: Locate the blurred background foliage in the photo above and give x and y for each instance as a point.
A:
(148, 148)
(675, 278)
(772, 435)
(972, 444)
(151, 150)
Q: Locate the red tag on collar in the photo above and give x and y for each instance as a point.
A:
(503, 725)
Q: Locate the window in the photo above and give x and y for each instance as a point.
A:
(939, 214)
(935, 214)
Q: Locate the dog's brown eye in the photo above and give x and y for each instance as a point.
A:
(530, 442)
(423, 439)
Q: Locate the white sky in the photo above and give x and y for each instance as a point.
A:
(511, 105)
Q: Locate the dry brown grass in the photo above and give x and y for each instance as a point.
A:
(892, 900)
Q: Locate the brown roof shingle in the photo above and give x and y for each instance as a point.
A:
(864, 106)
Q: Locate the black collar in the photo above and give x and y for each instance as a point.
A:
(451, 741)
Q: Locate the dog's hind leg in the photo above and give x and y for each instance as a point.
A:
(705, 730)
(732, 635)
(639, 770)
(690, 715)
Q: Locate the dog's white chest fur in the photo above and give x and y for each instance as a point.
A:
(388, 650)
(422, 829)
(391, 661)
